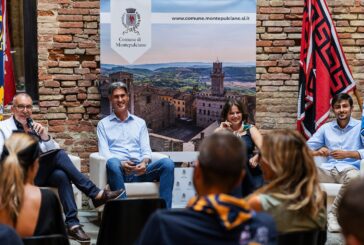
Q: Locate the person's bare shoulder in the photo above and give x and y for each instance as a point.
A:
(254, 202)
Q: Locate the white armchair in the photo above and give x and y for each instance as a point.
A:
(77, 193)
(133, 190)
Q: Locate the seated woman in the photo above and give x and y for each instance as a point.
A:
(234, 119)
(30, 210)
(292, 194)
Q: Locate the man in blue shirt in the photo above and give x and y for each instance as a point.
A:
(124, 142)
(214, 216)
(341, 143)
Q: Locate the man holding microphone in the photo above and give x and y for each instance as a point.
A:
(55, 167)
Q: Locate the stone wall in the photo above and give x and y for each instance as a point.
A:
(69, 64)
(278, 50)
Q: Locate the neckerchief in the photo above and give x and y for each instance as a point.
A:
(230, 211)
(243, 129)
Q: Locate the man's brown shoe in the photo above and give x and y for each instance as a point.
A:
(107, 196)
(78, 234)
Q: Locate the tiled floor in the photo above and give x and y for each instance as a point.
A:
(89, 220)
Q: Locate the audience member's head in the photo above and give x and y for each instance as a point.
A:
(351, 213)
(290, 171)
(220, 165)
(18, 165)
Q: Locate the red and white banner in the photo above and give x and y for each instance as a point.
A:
(324, 71)
(9, 83)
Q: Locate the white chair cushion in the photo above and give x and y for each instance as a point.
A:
(332, 189)
(141, 189)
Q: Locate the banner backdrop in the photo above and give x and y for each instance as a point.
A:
(182, 59)
(324, 71)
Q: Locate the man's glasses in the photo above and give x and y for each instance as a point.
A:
(23, 107)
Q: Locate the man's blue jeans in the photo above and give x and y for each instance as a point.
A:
(161, 170)
(58, 171)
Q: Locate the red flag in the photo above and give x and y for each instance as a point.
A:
(324, 71)
(9, 84)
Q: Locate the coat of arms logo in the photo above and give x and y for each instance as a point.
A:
(131, 21)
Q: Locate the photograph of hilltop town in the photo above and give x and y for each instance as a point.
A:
(180, 84)
(182, 100)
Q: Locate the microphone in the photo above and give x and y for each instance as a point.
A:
(30, 124)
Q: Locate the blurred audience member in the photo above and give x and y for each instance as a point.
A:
(213, 217)
(8, 236)
(292, 194)
(30, 210)
(351, 213)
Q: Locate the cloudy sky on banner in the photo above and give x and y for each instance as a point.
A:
(186, 43)
(233, 42)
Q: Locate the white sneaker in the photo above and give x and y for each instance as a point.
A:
(332, 224)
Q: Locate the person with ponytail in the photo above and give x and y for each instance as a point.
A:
(292, 194)
(31, 211)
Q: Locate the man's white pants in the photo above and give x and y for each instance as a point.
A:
(334, 176)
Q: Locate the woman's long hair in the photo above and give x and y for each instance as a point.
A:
(19, 154)
(294, 175)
